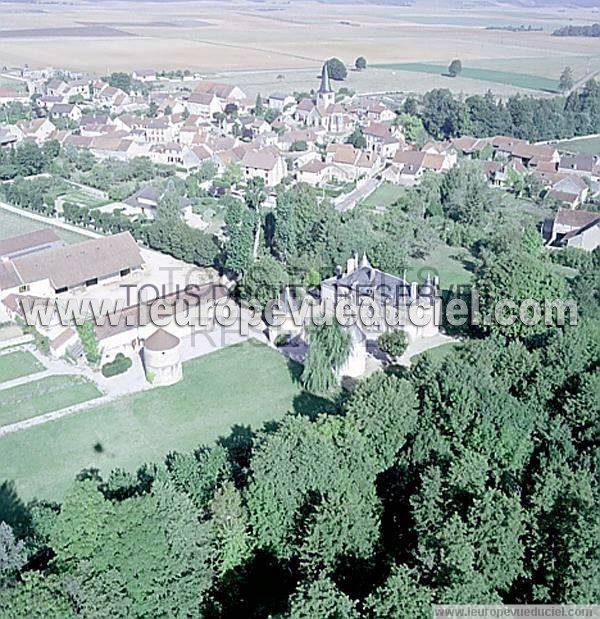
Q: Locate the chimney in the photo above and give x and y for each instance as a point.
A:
(351, 265)
(338, 271)
(414, 290)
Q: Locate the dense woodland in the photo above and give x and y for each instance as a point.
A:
(445, 115)
(592, 30)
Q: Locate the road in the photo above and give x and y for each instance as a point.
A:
(350, 200)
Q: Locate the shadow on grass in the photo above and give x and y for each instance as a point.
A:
(12, 509)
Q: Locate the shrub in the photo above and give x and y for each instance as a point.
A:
(281, 340)
(393, 343)
(118, 365)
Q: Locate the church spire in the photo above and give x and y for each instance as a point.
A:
(325, 84)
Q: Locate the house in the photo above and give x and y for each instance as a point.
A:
(392, 297)
(71, 267)
(67, 111)
(265, 163)
(407, 168)
(354, 162)
(56, 88)
(204, 105)
(253, 127)
(471, 147)
(145, 201)
(570, 189)
(580, 229)
(111, 97)
(10, 95)
(159, 130)
(317, 173)
(226, 94)
(144, 75)
(531, 155)
(77, 88)
(7, 137)
(582, 164)
(377, 111)
(383, 139)
(38, 129)
(495, 172)
(281, 102)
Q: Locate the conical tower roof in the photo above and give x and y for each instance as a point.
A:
(325, 83)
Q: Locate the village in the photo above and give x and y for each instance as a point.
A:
(216, 142)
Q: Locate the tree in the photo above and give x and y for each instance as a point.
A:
(360, 63)
(322, 599)
(329, 348)
(455, 68)
(89, 342)
(567, 80)
(263, 280)
(12, 554)
(337, 69)
(516, 277)
(465, 194)
(121, 80)
(259, 108)
(413, 128)
(28, 158)
(401, 595)
(393, 343)
(357, 138)
(240, 226)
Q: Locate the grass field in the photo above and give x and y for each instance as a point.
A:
(448, 263)
(583, 145)
(520, 80)
(80, 198)
(44, 396)
(243, 385)
(439, 352)
(16, 364)
(385, 195)
(12, 224)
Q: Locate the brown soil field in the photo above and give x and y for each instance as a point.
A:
(254, 42)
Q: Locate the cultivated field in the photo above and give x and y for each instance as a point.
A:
(242, 386)
(16, 364)
(253, 43)
(12, 224)
(48, 394)
(583, 145)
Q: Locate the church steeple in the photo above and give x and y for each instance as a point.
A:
(325, 94)
(325, 83)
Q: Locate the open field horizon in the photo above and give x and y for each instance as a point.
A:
(254, 43)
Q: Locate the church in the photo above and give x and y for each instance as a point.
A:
(322, 111)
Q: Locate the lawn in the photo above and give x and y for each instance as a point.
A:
(448, 263)
(583, 145)
(243, 385)
(438, 353)
(48, 394)
(385, 195)
(16, 364)
(520, 80)
(80, 198)
(12, 224)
